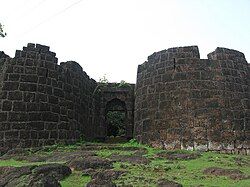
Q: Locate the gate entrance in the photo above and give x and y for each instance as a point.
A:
(116, 118)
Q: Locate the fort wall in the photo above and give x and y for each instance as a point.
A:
(180, 101)
(43, 103)
(184, 102)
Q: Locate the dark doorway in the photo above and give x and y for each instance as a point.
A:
(115, 117)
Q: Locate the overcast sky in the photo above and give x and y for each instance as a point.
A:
(113, 36)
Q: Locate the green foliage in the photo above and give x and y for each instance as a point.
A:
(76, 179)
(186, 172)
(19, 163)
(105, 153)
(116, 122)
(134, 143)
(123, 84)
(150, 150)
(2, 33)
(13, 162)
(103, 80)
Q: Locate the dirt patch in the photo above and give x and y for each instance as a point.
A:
(140, 152)
(90, 163)
(134, 159)
(67, 156)
(167, 183)
(53, 157)
(92, 147)
(241, 162)
(31, 158)
(234, 174)
(104, 178)
(108, 174)
(178, 156)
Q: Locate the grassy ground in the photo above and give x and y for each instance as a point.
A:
(185, 172)
(76, 179)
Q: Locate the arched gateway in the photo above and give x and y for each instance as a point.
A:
(116, 111)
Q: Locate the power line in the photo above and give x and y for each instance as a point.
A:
(32, 9)
(51, 17)
(21, 14)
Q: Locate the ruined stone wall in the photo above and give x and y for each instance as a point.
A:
(182, 101)
(43, 103)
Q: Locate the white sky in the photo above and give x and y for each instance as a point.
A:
(113, 36)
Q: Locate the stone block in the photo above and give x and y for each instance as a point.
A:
(3, 116)
(43, 72)
(30, 70)
(52, 99)
(58, 92)
(42, 80)
(7, 106)
(18, 69)
(28, 87)
(32, 107)
(38, 125)
(15, 95)
(29, 97)
(35, 116)
(49, 116)
(11, 135)
(44, 107)
(18, 126)
(14, 77)
(9, 86)
(19, 106)
(18, 116)
(24, 134)
(29, 78)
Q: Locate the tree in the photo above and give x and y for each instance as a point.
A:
(2, 33)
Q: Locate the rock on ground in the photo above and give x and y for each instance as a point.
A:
(167, 183)
(47, 175)
(90, 162)
(234, 174)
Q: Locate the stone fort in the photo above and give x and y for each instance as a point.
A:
(179, 101)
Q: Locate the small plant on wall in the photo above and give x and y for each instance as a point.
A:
(2, 33)
(123, 84)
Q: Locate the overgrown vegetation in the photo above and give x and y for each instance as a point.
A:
(123, 84)
(76, 179)
(116, 123)
(2, 33)
(159, 164)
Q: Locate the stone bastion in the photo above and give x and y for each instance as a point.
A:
(184, 102)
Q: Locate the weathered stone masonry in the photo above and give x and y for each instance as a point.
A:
(182, 101)
(179, 102)
(41, 102)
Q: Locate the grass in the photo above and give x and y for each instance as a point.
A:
(13, 163)
(105, 153)
(186, 172)
(76, 179)
(17, 163)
